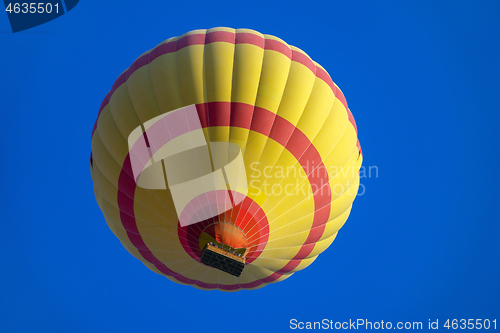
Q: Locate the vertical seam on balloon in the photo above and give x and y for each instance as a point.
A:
(177, 49)
(229, 127)
(209, 105)
(253, 109)
(267, 40)
(230, 117)
(207, 112)
(295, 127)
(251, 119)
(204, 101)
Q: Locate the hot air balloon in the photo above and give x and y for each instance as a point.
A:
(225, 159)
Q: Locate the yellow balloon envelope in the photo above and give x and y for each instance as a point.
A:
(225, 159)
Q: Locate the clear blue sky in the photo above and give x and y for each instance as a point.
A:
(421, 78)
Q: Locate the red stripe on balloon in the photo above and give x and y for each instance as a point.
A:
(301, 58)
(138, 63)
(249, 38)
(202, 114)
(323, 75)
(165, 48)
(119, 81)
(220, 36)
(188, 40)
(275, 45)
(218, 114)
(262, 121)
(241, 115)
